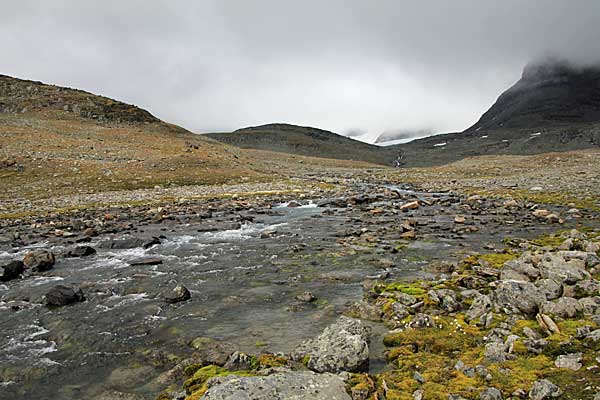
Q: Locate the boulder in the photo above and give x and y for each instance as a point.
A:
(568, 269)
(565, 307)
(364, 310)
(543, 390)
(480, 306)
(177, 294)
(515, 297)
(209, 351)
(551, 289)
(62, 295)
(342, 346)
(590, 305)
(569, 361)
(279, 386)
(39, 260)
(81, 251)
(491, 394)
(421, 321)
(586, 288)
(11, 271)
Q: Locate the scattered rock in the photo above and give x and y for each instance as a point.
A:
(178, 294)
(543, 390)
(239, 361)
(279, 386)
(413, 205)
(343, 346)
(62, 295)
(211, 351)
(306, 297)
(491, 394)
(569, 361)
(39, 260)
(145, 261)
(12, 270)
(81, 251)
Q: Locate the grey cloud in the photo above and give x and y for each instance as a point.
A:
(340, 65)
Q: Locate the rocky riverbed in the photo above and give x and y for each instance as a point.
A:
(246, 295)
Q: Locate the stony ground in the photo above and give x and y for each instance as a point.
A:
(511, 312)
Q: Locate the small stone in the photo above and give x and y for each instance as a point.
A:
(459, 219)
(419, 378)
(409, 206)
(178, 294)
(543, 390)
(306, 297)
(491, 394)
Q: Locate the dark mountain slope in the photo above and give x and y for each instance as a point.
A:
(553, 107)
(293, 139)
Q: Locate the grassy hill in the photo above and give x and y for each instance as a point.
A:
(58, 141)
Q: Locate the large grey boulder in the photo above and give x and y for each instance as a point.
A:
(566, 268)
(343, 346)
(515, 297)
(565, 307)
(569, 361)
(62, 295)
(280, 386)
(552, 289)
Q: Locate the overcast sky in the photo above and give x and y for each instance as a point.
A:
(347, 66)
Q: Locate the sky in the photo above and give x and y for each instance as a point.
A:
(354, 67)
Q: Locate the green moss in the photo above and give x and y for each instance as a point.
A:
(497, 260)
(413, 289)
(195, 386)
(271, 361)
(305, 360)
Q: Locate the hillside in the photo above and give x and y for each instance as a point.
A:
(553, 107)
(58, 141)
(306, 141)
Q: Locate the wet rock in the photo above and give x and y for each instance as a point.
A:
(279, 386)
(39, 260)
(343, 346)
(62, 295)
(12, 270)
(146, 261)
(565, 307)
(515, 297)
(491, 394)
(364, 310)
(211, 351)
(129, 243)
(306, 297)
(239, 361)
(543, 390)
(178, 294)
(81, 251)
(569, 361)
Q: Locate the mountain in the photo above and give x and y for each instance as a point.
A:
(402, 134)
(306, 141)
(555, 106)
(59, 141)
